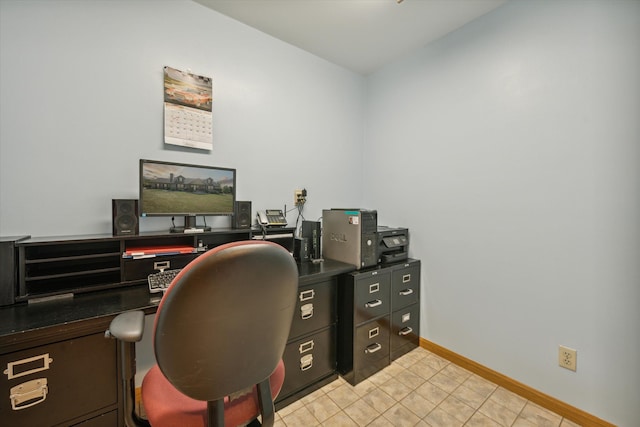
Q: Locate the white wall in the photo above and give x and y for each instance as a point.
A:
(510, 148)
(81, 86)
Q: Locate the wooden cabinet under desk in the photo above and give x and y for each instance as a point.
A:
(60, 383)
(379, 318)
(57, 368)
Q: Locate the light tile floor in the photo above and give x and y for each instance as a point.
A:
(419, 389)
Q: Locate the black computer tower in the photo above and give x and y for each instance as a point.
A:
(311, 230)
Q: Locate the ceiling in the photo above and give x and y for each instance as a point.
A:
(360, 35)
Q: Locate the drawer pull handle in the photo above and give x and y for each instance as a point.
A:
(161, 265)
(305, 346)
(372, 348)
(406, 292)
(405, 331)
(406, 278)
(375, 287)
(374, 303)
(11, 372)
(374, 332)
(25, 392)
(306, 362)
(306, 311)
(307, 295)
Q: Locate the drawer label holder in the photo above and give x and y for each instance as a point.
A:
(307, 295)
(305, 346)
(13, 368)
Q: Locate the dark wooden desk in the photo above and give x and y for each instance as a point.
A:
(83, 375)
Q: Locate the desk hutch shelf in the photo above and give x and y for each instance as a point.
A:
(54, 266)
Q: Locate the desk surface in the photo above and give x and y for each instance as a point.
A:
(21, 323)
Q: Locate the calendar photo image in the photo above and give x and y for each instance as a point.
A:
(188, 100)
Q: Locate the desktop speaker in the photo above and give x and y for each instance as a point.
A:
(242, 217)
(125, 217)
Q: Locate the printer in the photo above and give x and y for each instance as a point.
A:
(393, 244)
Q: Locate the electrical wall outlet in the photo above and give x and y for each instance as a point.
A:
(299, 197)
(567, 358)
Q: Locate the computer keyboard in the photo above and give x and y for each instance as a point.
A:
(160, 281)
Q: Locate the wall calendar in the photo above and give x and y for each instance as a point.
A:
(188, 114)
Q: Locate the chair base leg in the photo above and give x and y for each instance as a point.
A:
(266, 403)
(215, 413)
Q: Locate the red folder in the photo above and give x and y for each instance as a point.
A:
(160, 250)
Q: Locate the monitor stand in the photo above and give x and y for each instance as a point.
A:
(190, 226)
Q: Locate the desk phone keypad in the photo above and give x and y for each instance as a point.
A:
(275, 217)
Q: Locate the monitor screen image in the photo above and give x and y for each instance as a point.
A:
(176, 189)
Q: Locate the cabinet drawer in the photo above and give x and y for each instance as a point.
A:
(405, 288)
(371, 348)
(405, 330)
(372, 297)
(57, 382)
(109, 419)
(309, 359)
(139, 269)
(315, 308)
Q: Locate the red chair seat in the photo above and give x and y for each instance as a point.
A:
(167, 407)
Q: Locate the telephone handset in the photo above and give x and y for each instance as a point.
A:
(271, 218)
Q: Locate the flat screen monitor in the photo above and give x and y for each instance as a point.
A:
(178, 189)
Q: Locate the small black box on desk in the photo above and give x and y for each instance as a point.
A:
(312, 232)
(301, 249)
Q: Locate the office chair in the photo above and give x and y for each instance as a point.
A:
(219, 336)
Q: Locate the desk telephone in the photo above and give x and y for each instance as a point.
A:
(272, 218)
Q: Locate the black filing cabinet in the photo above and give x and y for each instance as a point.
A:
(379, 317)
(364, 298)
(310, 354)
(405, 306)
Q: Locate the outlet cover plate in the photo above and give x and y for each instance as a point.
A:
(567, 358)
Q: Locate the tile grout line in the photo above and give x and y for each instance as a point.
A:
(476, 410)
